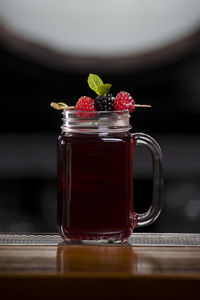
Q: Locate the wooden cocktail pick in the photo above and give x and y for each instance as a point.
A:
(142, 105)
(62, 105)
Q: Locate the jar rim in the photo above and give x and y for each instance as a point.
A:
(95, 121)
(96, 111)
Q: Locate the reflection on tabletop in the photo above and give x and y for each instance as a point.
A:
(99, 260)
(127, 260)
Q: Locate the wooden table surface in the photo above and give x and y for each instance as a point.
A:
(99, 272)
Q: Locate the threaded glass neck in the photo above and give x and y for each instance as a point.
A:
(97, 121)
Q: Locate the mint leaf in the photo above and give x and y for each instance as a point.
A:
(97, 85)
(94, 82)
(103, 89)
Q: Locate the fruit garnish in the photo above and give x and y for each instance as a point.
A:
(104, 103)
(123, 101)
(97, 85)
(85, 107)
(85, 104)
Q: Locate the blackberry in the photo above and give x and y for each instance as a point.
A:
(105, 102)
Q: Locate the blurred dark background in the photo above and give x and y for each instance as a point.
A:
(32, 76)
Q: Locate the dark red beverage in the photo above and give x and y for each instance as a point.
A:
(95, 192)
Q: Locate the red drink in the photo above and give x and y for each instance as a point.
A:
(95, 178)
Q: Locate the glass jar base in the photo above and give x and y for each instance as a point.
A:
(95, 242)
(97, 239)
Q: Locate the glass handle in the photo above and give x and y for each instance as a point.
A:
(157, 198)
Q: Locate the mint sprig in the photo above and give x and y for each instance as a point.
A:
(97, 85)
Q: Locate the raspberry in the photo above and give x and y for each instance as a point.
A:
(124, 101)
(104, 103)
(85, 104)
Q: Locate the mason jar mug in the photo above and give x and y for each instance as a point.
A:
(95, 177)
